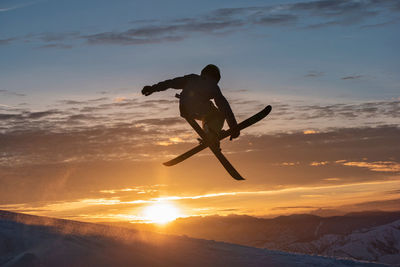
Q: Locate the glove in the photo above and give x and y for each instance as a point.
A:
(148, 90)
(235, 134)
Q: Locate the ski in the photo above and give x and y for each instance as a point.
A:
(244, 124)
(216, 150)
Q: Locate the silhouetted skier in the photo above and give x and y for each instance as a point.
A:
(195, 101)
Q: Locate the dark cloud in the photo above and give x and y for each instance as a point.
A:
(54, 40)
(62, 46)
(307, 14)
(362, 110)
(278, 19)
(332, 7)
(7, 92)
(159, 33)
(28, 115)
(83, 118)
(73, 113)
(314, 74)
(162, 122)
(82, 102)
(72, 102)
(289, 157)
(9, 116)
(382, 24)
(7, 41)
(125, 39)
(328, 12)
(40, 114)
(50, 39)
(353, 77)
(57, 37)
(98, 120)
(57, 164)
(126, 120)
(106, 111)
(342, 12)
(323, 25)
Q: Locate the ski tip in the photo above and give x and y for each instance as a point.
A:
(239, 178)
(167, 164)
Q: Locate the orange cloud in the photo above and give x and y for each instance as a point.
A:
(310, 132)
(119, 99)
(377, 166)
(321, 163)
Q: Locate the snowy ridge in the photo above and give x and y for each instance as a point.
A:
(36, 241)
(380, 244)
(368, 236)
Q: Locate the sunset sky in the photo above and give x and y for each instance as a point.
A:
(79, 141)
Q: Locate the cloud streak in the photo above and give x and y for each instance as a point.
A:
(378, 166)
(101, 208)
(314, 74)
(329, 12)
(306, 14)
(10, 8)
(7, 41)
(123, 124)
(96, 148)
(7, 92)
(353, 77)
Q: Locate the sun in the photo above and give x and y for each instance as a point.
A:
(161, 213)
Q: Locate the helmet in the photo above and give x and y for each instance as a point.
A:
(211, 70)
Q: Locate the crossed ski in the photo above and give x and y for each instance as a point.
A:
(217, 152)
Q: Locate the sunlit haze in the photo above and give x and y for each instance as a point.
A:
(79, 141)
(161, 213)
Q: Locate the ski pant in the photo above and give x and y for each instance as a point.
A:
(212, 121)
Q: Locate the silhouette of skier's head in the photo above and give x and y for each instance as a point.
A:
(211, 71)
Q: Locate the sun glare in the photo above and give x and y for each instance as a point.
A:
(161, 213)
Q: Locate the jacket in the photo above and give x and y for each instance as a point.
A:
(197, 91)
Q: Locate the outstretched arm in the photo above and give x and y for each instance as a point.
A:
(176, 83)
(225, 108)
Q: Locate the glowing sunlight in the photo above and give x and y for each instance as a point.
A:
(161, 213)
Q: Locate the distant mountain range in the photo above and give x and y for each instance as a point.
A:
(379, 244)
(33, 241)
(369, 236)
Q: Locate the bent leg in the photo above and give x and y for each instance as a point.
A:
(214, 120)
(213, 123)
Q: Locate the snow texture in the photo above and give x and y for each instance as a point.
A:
(380, 244)
(27, 240)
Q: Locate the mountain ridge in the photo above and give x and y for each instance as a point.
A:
(27, 240)
(301, 233)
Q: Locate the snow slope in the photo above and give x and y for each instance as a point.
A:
(27, 240)
(380, 244)
(369, 236)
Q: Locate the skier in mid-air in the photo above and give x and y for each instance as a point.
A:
(195, 104)
(195, 101)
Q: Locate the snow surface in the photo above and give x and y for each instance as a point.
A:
(37, 241)
(380, 244)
